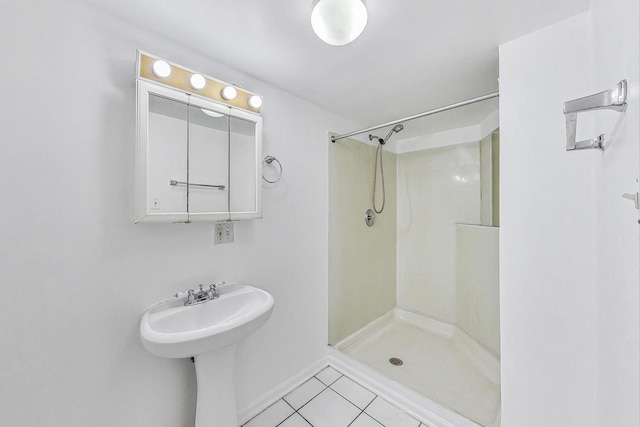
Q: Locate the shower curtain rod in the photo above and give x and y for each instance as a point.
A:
(335, 138)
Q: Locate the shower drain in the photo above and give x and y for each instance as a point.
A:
(396, 361)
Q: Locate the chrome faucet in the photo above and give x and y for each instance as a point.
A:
(203, 295)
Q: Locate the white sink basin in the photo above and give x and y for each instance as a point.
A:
(208, 332)
(171, 329)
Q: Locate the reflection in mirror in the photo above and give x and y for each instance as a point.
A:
(208, 162)
(243, 176)
(167, 155)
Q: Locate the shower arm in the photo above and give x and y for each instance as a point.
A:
(335, 138)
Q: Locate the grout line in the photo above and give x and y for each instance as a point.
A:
(371, 416)
(294, 409)
(351, 401)
(354, 420)
(333, 382)
(314, 396)
(302, 416)
(281, 422)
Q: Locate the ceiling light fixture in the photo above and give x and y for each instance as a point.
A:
(229, 93)
(161, 68)
(255, 101)
(338, 22)
(198, 81)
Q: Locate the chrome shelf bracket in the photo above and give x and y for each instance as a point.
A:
(612, 99)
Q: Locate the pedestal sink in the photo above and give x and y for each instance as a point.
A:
(208, 332)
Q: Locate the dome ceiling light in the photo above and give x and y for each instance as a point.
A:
(338, 22)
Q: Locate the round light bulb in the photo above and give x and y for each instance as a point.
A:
(198, 81)
(338, 22)
(161, 68)
(255, 101)
(229, 93)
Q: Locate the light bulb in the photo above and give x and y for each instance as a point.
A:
(198, 81)
(338, 22)
(161, 68)
(255, 101)
(229, 93)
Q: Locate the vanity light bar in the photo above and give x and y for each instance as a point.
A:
(161, 71)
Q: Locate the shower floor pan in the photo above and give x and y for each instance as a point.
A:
(439, 361)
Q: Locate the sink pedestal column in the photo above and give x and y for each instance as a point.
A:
(216, 401)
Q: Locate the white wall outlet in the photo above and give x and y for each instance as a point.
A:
(223, 233)
(155, 203)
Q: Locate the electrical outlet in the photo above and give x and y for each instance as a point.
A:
(155, 203)
(223, 233)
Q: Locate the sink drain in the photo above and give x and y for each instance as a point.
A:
(396, 361)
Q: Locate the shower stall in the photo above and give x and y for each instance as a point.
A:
(414, 297)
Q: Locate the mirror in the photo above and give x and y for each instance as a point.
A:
(197, 160)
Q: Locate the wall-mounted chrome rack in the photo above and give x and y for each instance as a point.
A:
(612, 99)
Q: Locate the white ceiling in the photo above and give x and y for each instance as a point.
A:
(413, 56)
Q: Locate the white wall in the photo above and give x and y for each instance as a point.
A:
(547, 233)
(77, 273)
(617, 56)
(569, 242)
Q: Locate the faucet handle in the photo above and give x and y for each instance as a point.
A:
(191, 295)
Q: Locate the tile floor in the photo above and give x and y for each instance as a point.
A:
(330, 399)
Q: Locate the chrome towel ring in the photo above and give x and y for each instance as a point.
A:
(269, 161)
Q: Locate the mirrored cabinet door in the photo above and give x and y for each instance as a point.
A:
(208, 171)
(244, 177)
(166, 155)
(196, 160)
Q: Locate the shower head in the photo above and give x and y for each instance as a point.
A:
(397, 128)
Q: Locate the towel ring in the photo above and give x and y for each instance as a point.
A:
(269, 160)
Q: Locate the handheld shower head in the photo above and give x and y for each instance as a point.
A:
(397, 128)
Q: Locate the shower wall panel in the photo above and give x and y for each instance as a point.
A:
(362, 259)
(437, 188)
(478, 278)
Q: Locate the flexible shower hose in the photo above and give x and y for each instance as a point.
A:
(375, 176)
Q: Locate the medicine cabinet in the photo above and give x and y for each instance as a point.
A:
(197, 159)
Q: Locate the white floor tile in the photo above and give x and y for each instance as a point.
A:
(307, 391)
(337, 406)
(294, 420)
(353, 392)
(328, 375)
(329, 409)
(272, 416)
(365, 420)
(390, 416)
